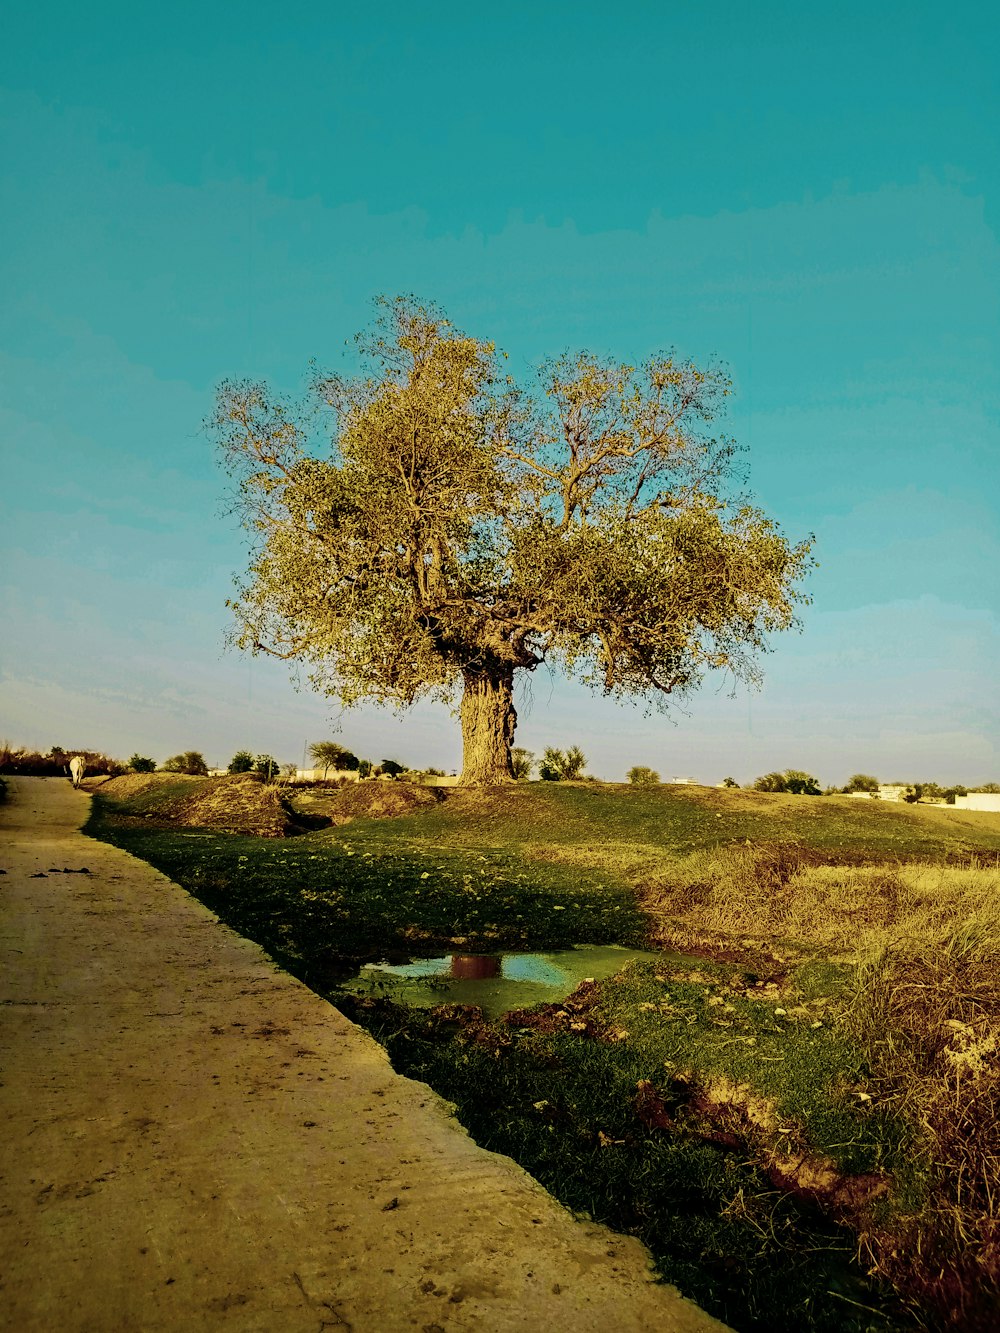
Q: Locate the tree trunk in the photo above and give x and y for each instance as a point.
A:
(488, 722)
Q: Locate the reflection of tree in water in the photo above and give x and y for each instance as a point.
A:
(475, 967)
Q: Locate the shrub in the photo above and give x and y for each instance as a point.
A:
(863, 782)
(643, 777)
(267, 766)
(730, 782)
(522, 762)
(559, 766)
(55, 764)
(190, 762)
(241, 762)
(139, 764)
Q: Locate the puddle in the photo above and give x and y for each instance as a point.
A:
(496, 982)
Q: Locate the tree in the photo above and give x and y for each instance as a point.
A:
(643, 777)
(267, 766)
(559, 766)
(139, 764)
(863, 782)
(241, 762)
(521, 762)
(459, 530)
(730, 782)
(190, 762)
(793, 780)
(391, 768)
(332, 755)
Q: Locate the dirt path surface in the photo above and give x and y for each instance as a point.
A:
(193, 1140)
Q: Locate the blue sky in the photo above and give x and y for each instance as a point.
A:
(810, 195)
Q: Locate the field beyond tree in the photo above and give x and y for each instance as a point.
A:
(796, 1109)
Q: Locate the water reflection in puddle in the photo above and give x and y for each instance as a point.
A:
(495, 982)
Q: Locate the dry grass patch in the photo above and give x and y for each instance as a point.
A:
(238, 803)
(370, 800)
(785, 890)
(928, 1010)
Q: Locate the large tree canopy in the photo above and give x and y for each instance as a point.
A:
(455, 529)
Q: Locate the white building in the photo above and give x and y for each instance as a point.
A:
(979, 800)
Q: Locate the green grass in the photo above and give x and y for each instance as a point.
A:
(663, 1104)
(322, 904)
(604, 820)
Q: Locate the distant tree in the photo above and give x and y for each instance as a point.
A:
(522, 762)
(863, 782)
(190, 762)
(332, 755)
(793, 780)
(241, 762)
(391, 768)
(459, 530)
(952, 792)
(364, 768)
(562, 766)
(931, 791)
(139, 764)
(267, 766)
(991, 787)
(643, 777)
(730, 782)
(57, 752)
(913, 793)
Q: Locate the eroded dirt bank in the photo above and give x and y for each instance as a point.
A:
(194, 1140)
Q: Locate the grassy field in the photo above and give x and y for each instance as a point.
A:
(802, 1125)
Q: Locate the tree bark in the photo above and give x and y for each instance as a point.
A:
(488, 722)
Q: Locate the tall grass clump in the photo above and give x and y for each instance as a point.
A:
(927, 1009)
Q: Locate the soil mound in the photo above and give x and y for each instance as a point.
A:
(129, 785)
(238, 803)
(379, 800)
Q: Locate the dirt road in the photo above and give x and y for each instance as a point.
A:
(193, 1140)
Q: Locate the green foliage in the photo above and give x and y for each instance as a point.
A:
(730, 782)
(364, 768)
(190, 762)
(643, 777)
(267, 766)
(562, 766)
(139, 764)
(522, 762)
(241, 762)
(793, 780)
(863, 782)
(391, 768)
(462, 529)
(331, 755)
